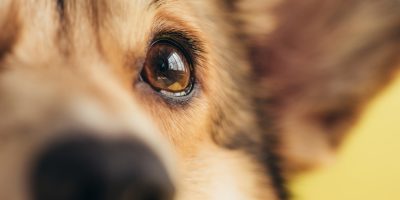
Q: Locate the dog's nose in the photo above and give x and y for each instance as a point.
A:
(90, 169)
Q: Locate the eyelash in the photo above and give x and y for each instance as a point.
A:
(185, 41)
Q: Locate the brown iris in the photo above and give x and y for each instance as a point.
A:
(167, 69)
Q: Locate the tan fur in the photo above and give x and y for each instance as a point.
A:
(275, 77)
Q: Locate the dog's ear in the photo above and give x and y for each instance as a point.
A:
(316, 65)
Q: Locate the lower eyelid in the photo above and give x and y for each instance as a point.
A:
(172, 102)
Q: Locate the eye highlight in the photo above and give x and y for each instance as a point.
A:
(168, 70)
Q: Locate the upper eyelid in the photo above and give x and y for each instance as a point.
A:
(187, 42)
(187, 52)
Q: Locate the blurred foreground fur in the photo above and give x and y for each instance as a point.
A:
(278, 85)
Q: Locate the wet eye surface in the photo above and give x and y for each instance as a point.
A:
(168, 70)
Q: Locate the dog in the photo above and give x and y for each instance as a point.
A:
(183, 99)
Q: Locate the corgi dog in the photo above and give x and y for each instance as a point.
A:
(183, 99)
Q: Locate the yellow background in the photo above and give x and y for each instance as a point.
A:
(368, 164)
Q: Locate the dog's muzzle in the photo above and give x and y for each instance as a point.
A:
(84, 168)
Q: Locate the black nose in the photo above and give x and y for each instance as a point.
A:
(89, 169)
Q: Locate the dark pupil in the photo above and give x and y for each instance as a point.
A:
(167, 69)
(163, 70)
(163, 65)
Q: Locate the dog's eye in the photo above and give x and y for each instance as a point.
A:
(168, 70)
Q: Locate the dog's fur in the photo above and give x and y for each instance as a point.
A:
(280, 82)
